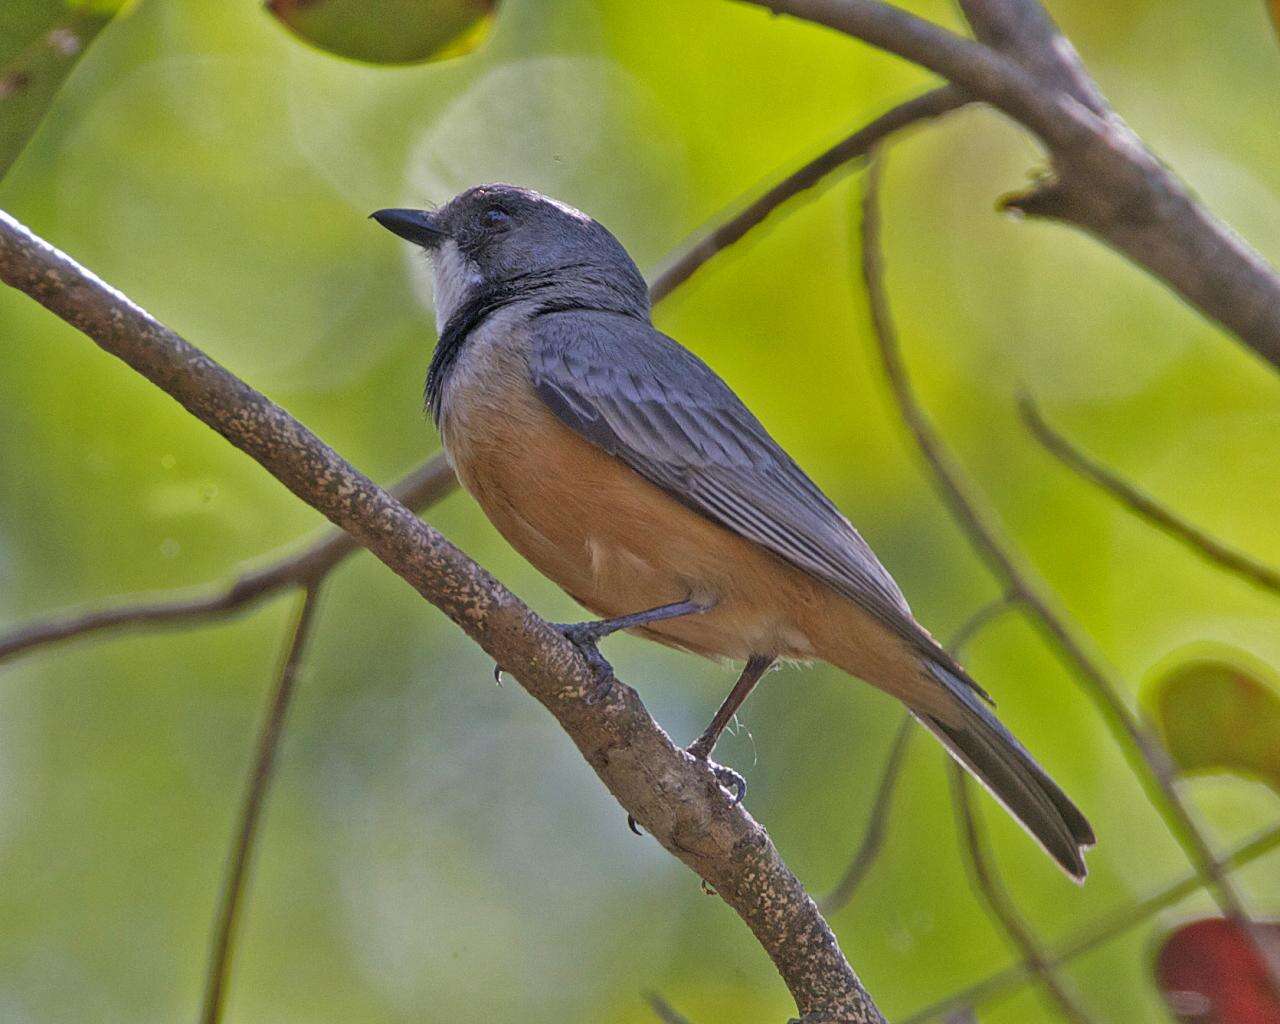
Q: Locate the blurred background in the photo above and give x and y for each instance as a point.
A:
(434, 849)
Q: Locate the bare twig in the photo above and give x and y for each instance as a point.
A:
(877, 823)
(229, 901)
(423, 487)
(674, 797)
(1107, 182)
(1148, 759)
(664, 1010)
(1158, 515)
(853, 147)
(1113, 925)
(980, 619)
(1000, 904)
(873, 835)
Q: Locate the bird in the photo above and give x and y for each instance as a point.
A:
(626, 471)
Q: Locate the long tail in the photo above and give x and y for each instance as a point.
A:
(975, 738)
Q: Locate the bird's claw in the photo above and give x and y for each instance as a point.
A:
(584, 638)
(730, 781)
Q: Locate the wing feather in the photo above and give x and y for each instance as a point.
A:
(643, 398)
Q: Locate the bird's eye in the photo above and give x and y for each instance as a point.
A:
(496, 218)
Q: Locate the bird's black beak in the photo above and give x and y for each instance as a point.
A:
(417, 226)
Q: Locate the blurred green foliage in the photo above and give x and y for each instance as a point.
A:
(1218, 716)
(388, 31)
(435, 849)
(40, 42)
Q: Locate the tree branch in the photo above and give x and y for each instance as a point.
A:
(1000, 904)
(925, 107)
(251, 810)
(1145, 506)
(673, 796)
(664, 1011)
(1107, 182)
(423, 487)
(1149, 760)
(877, 823)
(1023, 30)
(1097, 934)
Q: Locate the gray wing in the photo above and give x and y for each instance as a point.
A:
(653, 404)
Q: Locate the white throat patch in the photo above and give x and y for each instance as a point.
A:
(456, 279)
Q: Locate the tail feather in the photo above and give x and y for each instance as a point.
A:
(975, 738)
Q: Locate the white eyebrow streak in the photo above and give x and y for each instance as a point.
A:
(566, 208)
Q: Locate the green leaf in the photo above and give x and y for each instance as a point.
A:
(389, 31)
(1216, 716)
(40, 42)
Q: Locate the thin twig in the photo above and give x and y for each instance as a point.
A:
(1145, 506)
(1149, 760)
(434, 480)
(220, 953)
(421, 488)
(1098, 934)
(1000, 904)
(675, 798)
(980, 619)
(877, 823)
(853, 147)
(664, 1010)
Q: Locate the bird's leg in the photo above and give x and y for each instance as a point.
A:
(701, 748)
(585, 635)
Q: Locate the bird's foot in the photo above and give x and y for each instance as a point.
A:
(730, 781)
(584, 637)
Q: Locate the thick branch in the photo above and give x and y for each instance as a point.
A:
(1107, 183)
(674, 797)
(1023, 30)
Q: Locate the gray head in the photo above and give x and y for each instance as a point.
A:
(508, 241)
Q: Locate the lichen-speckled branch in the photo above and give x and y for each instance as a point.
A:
(673, 796)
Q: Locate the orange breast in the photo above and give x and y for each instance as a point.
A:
(618, 544)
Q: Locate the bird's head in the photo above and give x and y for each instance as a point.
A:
(500, 237)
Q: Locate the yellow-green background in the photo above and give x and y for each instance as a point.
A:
(434, 849)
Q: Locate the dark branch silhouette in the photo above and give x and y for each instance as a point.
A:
(854, 147)
(877, 822)
(229, 899)
(423, 487)
(1160, 516)
(1000, 904)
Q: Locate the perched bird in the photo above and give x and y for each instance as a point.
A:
(626, 471)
